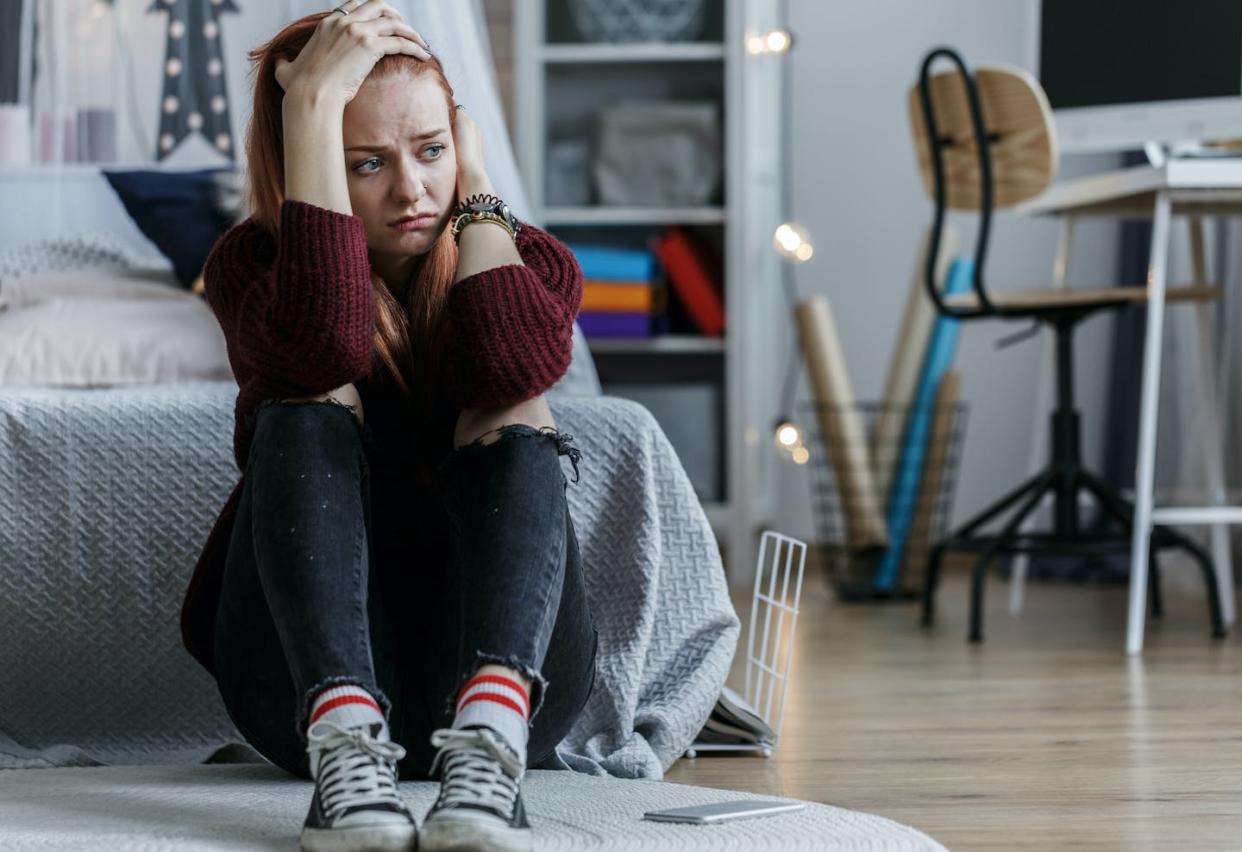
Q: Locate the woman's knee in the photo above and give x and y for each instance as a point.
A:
(300, 419)
(346, 396)
(483, 424)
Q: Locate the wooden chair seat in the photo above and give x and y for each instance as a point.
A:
(1047, 299)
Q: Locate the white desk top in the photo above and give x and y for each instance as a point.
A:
(1212, 186)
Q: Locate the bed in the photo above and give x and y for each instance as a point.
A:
(116, 407)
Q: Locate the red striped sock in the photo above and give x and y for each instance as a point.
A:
(348, 706)
(498, 702)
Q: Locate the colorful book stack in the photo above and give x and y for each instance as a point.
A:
(620, 294)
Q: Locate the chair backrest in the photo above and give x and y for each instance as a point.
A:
(1022, 141)
(984, 139)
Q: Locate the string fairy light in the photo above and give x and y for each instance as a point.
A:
(790, 239)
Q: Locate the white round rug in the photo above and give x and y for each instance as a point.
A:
(250, 806)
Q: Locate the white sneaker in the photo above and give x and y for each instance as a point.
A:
(356, 805)
(480, 803)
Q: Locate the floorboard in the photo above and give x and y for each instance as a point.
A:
(1044, 736)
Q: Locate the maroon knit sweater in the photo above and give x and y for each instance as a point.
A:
(298, 320)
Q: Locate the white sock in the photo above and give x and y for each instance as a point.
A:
(348, 706)
(498, 702)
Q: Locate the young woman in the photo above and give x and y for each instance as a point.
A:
(392, 329)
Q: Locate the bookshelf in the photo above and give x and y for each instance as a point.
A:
(560, 82)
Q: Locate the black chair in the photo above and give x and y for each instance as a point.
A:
(985, 140)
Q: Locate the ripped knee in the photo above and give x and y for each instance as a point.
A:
(346, 396)
(563, 440)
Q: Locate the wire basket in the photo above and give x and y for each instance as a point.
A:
(770, 638)
(882, 492)
(638, 20)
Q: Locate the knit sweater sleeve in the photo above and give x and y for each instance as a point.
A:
(512, 325)
(299, 318)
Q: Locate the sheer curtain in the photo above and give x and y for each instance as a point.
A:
(96, 74)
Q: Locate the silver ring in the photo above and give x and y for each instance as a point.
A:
(341, 8)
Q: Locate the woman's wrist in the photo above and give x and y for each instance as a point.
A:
(307, 98)
(477, 183)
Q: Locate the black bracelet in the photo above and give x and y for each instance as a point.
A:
(480, 198)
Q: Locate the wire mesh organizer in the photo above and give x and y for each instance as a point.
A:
(882, 492)
(769, 648)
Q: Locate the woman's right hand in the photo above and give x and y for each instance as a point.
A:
(344, 48)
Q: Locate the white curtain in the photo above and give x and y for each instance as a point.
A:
(94, 58)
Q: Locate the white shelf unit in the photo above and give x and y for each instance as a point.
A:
(561, 81)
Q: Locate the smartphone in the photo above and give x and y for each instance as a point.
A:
(724, 811)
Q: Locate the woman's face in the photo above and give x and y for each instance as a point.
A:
(400, 161)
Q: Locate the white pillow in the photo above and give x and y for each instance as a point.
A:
(115, 282)
(84, 342)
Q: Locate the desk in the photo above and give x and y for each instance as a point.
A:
(1192, 188)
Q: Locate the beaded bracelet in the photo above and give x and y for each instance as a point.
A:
(465, 219)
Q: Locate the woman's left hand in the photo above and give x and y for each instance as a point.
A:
(471, 169)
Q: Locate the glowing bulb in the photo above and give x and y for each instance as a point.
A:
(801, 455)
(772, 41)
(788, 436)
(792, 241)
(777, 41)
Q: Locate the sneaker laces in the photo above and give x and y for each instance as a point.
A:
(478, 770)
(355, 767)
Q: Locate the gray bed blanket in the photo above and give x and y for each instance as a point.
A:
(107, 494)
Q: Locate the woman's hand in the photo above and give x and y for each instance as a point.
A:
(471, 171)
(344, 48)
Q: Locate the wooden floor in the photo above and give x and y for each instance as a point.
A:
(1045, 736)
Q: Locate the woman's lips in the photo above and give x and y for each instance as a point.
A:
(415, 224)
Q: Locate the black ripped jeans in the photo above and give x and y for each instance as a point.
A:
(305, 606)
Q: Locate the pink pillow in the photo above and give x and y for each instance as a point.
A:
(84, 342)
(114, 282)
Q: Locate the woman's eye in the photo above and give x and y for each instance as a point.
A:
(358, 168)
(436, 148)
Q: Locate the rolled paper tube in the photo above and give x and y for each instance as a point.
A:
(844, 434)
(14, 135)
(907, 364)
(935, 468)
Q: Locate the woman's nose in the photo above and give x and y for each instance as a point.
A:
(409, 186)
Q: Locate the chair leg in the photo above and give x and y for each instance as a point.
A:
(1153, 584)
(1209, 575)
(1110, 501)
(1039, 482)
(1035, 493)
(976, 594)
(930, 582)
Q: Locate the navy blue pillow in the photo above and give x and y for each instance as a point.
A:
(176, 210)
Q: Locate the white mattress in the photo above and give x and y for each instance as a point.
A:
(246, 806)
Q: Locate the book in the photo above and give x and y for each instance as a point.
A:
(615, 324)
(935, 463)
(613, 264)
(940, 352)
(695, 274)
(618, 296)
(907, 359)
(841, 425)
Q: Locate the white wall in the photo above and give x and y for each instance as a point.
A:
(857, 190)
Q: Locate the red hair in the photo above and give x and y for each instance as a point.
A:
(409, 339)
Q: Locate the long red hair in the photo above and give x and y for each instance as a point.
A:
(409, 338)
